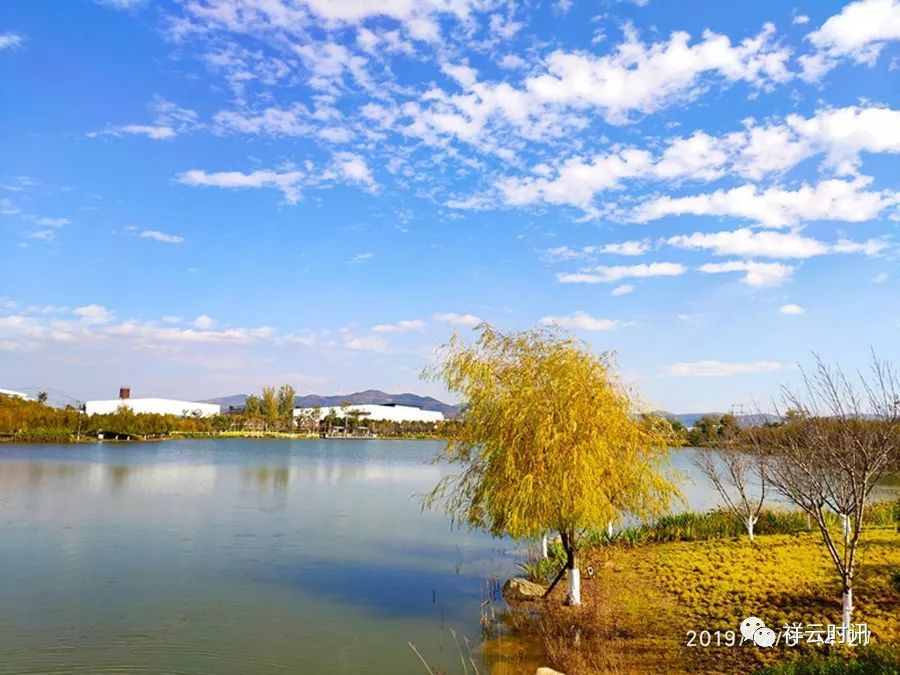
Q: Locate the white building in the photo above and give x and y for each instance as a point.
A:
(391, 411)
(156, 406)
(15, 394)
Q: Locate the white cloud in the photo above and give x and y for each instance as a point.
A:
(721, 368)
(204, 321)
(640, 77)
(10, 40)
(624, 289)
(843, 133)
(293, 121)
(455, 319)
(161, 237)
(149, 333)
(756, 274)
(840, 134)
(361, 258)
(420, 20)
(400, 327)
(53, 222)
(768, 244)
(354, 168)
(157, 133)
(792, 309)
(835, 199)
(580, 321)
(93, 314)
(43, 235)
(169, 121)
(700, 156)
(605, 275)
(121, 4)
(288, 182)
(576, 182)
(800, 19)
(880, 278)
(858, 32)
(627, 248)
(368, 343)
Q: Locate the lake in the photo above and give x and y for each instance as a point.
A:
(238, 556)
(233, 556)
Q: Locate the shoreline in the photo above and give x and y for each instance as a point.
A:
(237, 435)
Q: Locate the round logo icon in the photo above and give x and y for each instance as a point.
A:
(750, 625)
(764, 637)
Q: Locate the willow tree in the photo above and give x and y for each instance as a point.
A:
(549, 439)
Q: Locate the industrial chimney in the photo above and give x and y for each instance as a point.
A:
(124, 392)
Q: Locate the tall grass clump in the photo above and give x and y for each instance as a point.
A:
(535, 567)
(720, 524)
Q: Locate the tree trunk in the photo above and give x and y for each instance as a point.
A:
(751, 521)
(544, 545)
(609, 529)
(845, 522)
(573, 596)
(847, 610)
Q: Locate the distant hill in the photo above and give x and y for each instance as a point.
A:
(370, 396)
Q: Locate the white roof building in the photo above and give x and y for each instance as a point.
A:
(156, 406)
(391, 411)
(15, 394)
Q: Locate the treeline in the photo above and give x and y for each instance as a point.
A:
(34, 421)
(269, 412)
(709, 431)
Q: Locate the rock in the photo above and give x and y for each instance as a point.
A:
(521, 589)
(548, 671)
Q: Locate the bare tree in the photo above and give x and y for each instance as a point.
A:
(836, 441)
(733, 474)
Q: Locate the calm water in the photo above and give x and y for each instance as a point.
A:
(237, 556)
(232, 556)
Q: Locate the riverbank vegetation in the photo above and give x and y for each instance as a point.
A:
(268, 416)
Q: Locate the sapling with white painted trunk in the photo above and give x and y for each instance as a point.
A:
(835, 441)
(740, 479)
(548, 440)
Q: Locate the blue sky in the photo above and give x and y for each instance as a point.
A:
(201, 197)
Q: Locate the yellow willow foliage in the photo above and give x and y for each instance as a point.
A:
(549, 438)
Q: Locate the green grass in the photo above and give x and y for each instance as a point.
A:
(720, 524)
(873, 660)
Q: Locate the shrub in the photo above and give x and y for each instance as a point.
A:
(44, 435)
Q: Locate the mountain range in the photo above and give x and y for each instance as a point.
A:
(377, 397)
(369, 396)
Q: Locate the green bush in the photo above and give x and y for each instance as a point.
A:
(44, 435)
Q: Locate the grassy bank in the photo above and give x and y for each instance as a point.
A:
(645, 596)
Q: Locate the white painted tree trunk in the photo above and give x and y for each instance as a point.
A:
(574, 595)
(751, 521)
(847, 611)
(609, 530)
(544, 545)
